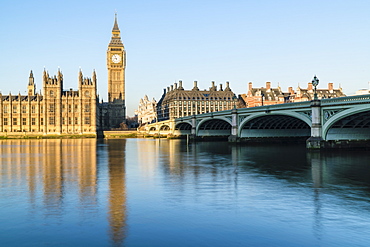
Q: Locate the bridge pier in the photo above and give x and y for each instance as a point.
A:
(234, 137)
(315, 141)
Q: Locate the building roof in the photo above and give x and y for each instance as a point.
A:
(178, 93)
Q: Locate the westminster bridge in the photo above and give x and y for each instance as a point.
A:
(325, 123)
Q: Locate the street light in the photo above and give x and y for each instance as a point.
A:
(315, 82)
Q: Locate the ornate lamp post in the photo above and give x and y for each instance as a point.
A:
(315, 82)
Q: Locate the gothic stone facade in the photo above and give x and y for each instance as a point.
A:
(177, 102)
(56, 111)
(113, 113)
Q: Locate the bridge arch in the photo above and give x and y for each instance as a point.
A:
(349, 124)
(275, 125)
(214, 127)
(183, 128)
(164, 127)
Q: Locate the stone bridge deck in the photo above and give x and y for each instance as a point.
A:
(326, 123)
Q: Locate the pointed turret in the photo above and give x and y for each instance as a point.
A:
(116, 34)
(45, 77)
(60, 78)
(31, 80)
(94, 77)
(80, 77)
(31, 84)
(115, 26)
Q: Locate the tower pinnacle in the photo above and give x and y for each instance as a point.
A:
(116, 34)
(115, 26)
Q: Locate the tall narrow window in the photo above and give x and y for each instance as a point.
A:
(51, 108)
(52, 120)
(87, 120)
(87, 108)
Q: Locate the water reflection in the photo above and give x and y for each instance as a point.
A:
(51, 168)
(117, 190)
(77, 192)
(60, 178)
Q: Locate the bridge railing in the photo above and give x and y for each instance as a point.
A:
(357, 99)
(347, 100)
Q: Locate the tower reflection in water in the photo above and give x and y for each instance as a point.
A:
(117, 190)
(56, 180)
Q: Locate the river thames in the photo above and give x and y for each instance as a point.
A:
(150, 192)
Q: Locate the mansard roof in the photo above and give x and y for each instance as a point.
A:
(321, 93)
(271, 93)
(196, 94)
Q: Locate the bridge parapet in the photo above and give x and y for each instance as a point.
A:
(357, 99)
(330, 120)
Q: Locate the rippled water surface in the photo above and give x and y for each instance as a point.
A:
(146, 192)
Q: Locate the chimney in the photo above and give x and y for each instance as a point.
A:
(164, 91)
(250, 86)
(268, 85)
(171, 87)
(180, 84)
(330, 87)
(175, 85)
(222, 89)
(195, 86)
(290, 90)
(168, 89)
(309, 86)
(213, 87)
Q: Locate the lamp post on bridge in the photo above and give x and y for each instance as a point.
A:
(315, 82)
(234, 122)
(315, 141)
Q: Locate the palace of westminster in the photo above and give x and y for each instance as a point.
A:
(79, 112)
(57, 111)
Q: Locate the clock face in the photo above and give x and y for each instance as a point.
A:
(116, 58)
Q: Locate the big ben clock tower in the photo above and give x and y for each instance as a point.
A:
(116, 64)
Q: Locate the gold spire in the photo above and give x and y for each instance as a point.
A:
(116, 37)
(115, 27)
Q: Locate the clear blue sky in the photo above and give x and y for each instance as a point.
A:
(285, 42)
